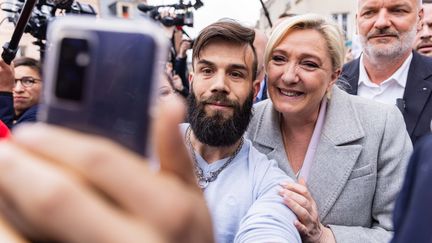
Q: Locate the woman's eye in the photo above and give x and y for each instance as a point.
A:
(278, 58)
(309, 66)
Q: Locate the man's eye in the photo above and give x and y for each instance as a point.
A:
(164, 92)
(399, 11)
(237, 74)
(206, 70)
(368, 13)
(28, 81)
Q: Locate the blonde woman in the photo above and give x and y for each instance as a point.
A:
(347, 153)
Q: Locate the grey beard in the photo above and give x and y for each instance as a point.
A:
(403, 45)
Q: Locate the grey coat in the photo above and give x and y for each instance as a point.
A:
(358, 168)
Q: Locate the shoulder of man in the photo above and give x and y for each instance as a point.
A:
(30, 115)
(259, 111)
(266, 171)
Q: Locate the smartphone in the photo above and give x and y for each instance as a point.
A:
(101, 76)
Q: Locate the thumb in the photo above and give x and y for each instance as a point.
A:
(302, 181)
(170, 147)
(8, 233)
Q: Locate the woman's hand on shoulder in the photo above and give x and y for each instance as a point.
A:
(298, 198)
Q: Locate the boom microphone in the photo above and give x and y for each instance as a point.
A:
(10, 48)
(145, 8)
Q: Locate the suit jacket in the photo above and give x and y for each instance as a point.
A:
(29, 115)
(412, 215)
(417, 96)
(358, 166)
(6, 108)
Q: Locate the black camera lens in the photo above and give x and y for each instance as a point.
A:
(72, 69)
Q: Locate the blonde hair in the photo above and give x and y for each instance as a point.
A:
(330, 31)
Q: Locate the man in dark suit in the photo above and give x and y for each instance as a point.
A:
(412, 216)
(388, 70)
(23, 83)
(423, 42)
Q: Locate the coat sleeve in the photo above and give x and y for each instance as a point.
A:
(393, 155)
(412, 216)
(268, 219)
(6, 108)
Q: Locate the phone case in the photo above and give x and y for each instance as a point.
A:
(100, 77)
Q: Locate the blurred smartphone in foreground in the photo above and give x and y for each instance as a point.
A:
(100, 77)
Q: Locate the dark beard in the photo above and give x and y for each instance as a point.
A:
(216, 130)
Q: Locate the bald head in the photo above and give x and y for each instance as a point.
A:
(418, 3)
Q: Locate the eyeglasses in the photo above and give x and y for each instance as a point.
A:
(27, 81)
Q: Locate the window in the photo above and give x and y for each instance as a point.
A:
(342, 20)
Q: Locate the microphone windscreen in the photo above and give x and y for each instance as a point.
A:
(144, 7)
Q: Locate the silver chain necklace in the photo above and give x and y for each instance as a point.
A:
(203, 181)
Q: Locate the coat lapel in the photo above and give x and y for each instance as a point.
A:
(336, 154)
(268, 136)
(417, 91)
(350, 76)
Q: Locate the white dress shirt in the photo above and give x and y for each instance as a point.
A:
(388, 91)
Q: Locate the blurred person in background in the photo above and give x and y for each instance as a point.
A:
(412, 215)
(27, 90)
(423, 42)
(260, 43)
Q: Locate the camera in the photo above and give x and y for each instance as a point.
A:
(72, 69)
(44, 11)
(182, 14)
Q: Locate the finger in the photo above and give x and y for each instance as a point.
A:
(302, 229)
(4, 65)
(120, 174)
(298, 188)
(298, 198)
(302, 181)
(173, 155)
(54, 202)
(10, 214)
(169, 66)
(302, 214)
(8, 234)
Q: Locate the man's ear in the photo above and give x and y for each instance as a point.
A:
(256, 87)
(420, 20)
(191, 77)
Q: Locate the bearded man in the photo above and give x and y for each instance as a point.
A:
(388, 70)
(239, 183)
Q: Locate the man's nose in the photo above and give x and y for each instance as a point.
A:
(220, 83)
(426, 32)
(18, 87)
(383, 20)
